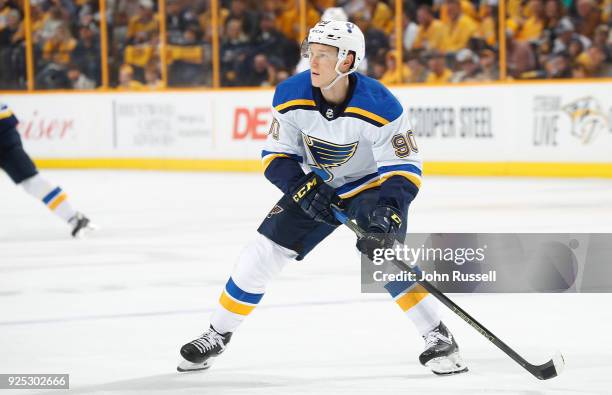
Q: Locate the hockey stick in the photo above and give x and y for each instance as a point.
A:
(545, 371)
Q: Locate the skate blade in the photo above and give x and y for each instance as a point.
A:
(444, 366)
(86, 230)
(186, 366)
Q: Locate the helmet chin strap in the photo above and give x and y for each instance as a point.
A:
(339, 75)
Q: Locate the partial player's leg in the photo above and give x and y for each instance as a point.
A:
(285, 234)
(441, 353)
(20, 168)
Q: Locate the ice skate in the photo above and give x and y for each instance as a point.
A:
(441, 353)
(80, 225)
(201, 352)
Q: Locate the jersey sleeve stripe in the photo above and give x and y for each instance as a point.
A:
(294, 103)
(355, 184)
(410, 172)
(413, 178)
(367, 114)
(268, 156)
(404, 167)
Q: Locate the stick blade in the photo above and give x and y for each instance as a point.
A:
(550, 369)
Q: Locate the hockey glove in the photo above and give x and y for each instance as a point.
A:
(315, 197)
(385, 222)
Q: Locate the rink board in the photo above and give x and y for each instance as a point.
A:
(562, 129)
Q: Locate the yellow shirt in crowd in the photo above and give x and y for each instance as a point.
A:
(458, 33)
(288, 21)
(433, 78)
(59, 52)
(138, 55)
(531, 29)
(430, 38)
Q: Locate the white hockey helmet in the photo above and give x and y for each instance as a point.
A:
(334, 14)
(345, 36)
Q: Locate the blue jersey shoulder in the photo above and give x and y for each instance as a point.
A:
(296, 90)
(373, 97)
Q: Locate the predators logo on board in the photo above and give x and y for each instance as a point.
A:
(325, 155)
(588, 120)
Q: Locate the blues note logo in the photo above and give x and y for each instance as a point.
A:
(325, 155)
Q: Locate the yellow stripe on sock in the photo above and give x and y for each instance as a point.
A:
(411, 298)
(57, 201)
(235, 307)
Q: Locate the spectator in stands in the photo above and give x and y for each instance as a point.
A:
(86, 54)
(239, 10)
(375, 15)
(272, 42)
(176, 21)
(553, 12)
(392, 75)
(579, 71)
(188, 65)
(58, 49)
(430, 35)
(588, 17)
(378, 69)
(77, 79)
(126, 78)
(467, 8)
(143, 49)
(575, 48)
(234, 49)
(12, 54)
(152, 76)
(487, 30)
(593, 61)
(438, 72)
(51, 20)
(603, 41)
(565, 34)
(288, 19)
(411, 30)
(520, 58)
(489, 70)
(11, 28)
(459, 29)
(258, 72)
(469, 66)
(143, 24)
(558, 66)
(418, 71)
(531, 29)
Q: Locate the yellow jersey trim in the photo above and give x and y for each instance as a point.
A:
(296, 102)
(367, 114)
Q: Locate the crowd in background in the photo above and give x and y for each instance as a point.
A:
(442, 41)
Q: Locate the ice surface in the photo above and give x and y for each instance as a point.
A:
(113, 310)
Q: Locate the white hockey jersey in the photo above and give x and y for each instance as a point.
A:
(353, 147)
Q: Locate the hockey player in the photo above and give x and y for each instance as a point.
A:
(355, 141)
(20, 168)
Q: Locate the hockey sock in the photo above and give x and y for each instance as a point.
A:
(257, 265)
(52, 196)
(418, 305)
